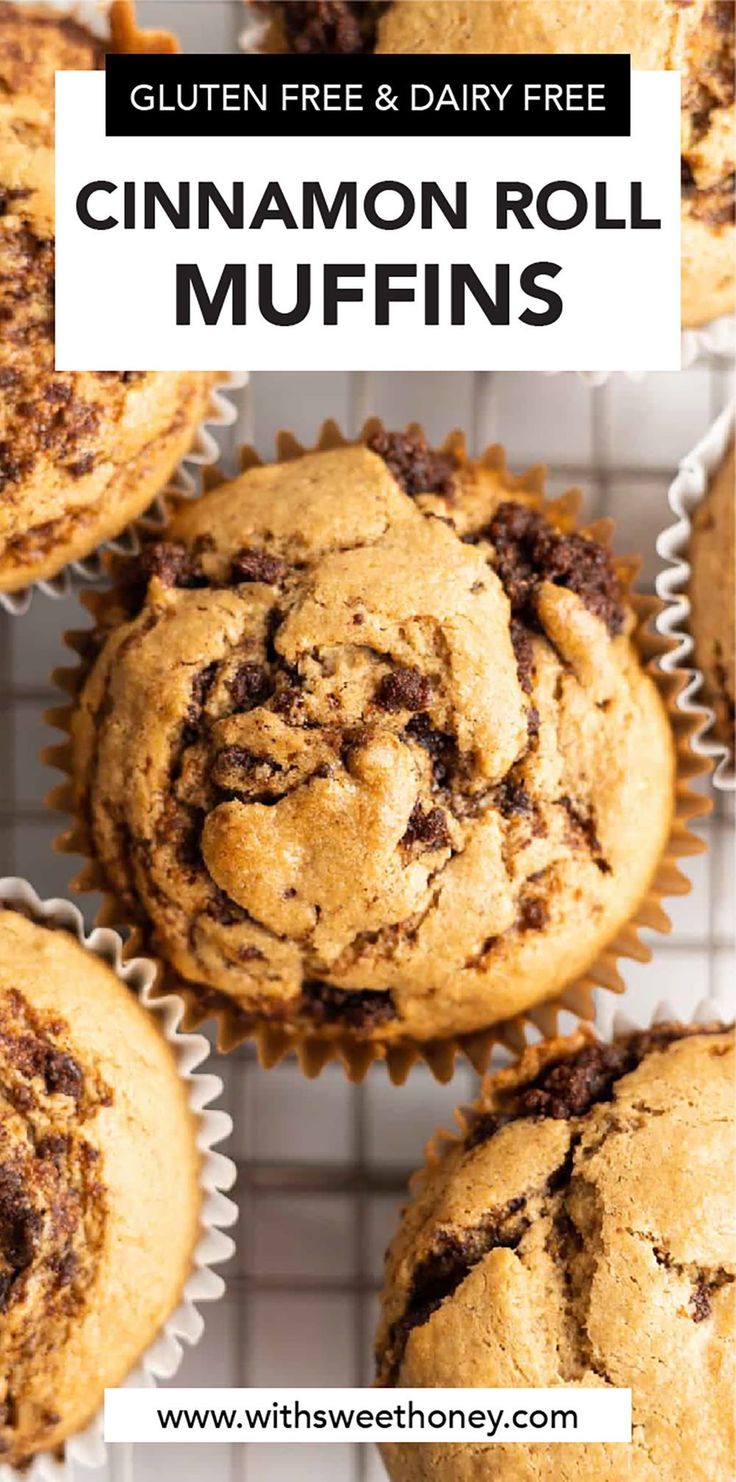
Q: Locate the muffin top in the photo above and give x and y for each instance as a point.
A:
(68, 442)
(403, 769)
(712, 596)
(709, 116)
(99, 1199)
(581, 1233)
(652, 30)
(696, 37)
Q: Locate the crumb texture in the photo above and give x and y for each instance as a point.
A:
(332, 26)
(89, 1116)
(694, 36)
(581, 1234)
(404, 748)
(80, 454)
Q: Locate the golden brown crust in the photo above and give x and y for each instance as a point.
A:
(713, 597)
(99, 1196)
(368, 800)
(80, 454)
(695, 37)
(582, 1236)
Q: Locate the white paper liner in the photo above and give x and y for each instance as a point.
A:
(254, 28)
(217, 1173)
(686, 491)
(717, 338)
(706, 1011)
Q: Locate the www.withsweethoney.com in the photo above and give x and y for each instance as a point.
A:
(304, 1415)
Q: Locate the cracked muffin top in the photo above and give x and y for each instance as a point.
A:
(99, 1197)
(694, 36)
(713, 599)
(80, 453)
(368, 747)
(581, 1233)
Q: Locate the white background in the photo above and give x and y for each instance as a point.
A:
(620, 288)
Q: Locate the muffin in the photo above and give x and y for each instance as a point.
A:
(696, 37)
(581, 1233)
(712, 597)
(99, 1195)
(80, 454)
(368, 749)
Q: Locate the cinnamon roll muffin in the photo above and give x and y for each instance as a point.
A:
(695, 36)
(368, 748)
(99, 1193)
(80, 454)
(580, 1233)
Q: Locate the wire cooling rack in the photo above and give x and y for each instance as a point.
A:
(323, 1165)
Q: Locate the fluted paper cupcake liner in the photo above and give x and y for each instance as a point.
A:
(255, 28)
(673, 545)
(274, 1041)
(217, 1173)
(715, 339)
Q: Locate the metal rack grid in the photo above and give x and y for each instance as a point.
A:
(322, 1166)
